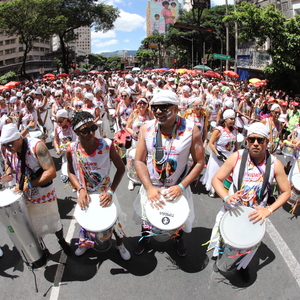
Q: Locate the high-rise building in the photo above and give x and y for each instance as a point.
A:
(12, 51)
(83, 41)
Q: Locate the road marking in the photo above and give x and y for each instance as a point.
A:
(284, 250)
(61, 267)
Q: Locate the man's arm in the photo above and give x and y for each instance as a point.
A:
(47, 164)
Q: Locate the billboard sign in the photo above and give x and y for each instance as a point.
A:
(162, 14)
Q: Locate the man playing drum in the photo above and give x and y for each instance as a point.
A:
(165, 173)
(89, 162)
(250, 192)
(30, 164)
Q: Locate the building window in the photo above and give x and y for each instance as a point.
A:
(9, 51)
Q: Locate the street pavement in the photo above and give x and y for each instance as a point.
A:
(159, 273)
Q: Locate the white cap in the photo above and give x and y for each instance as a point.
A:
(89, 96)
(58, 92)
(38, 91)
(62, 113)
(19, 94)
(9, 133)
(165, 97)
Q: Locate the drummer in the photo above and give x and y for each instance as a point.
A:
(250, 193)
(180, 138)
(30, 164)
(89, 162)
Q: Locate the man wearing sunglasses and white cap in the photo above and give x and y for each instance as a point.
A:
(89, 163)
(249, 189)
(161, 160)
(29, 163)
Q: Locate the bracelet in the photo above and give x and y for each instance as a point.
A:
(29, 184)
(225, 198)
(28, 127)
(110, 192)
(181, 186)
(270, 209)
(82, 188)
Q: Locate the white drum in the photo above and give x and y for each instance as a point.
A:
(100, 126)
(287, 149)
(239, 236)
(98, 222)
(131, 172)
(167, 220)
(213, 125)
(15, 218)
(38, 134)
(295, 189)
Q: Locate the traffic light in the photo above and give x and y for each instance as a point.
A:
(175, 60)
(146, 44)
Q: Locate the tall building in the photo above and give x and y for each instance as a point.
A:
(83, 42)
(11, 56)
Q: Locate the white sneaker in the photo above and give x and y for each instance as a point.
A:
(123, 252)
(1, 252)
(130, 185)
(80, 251)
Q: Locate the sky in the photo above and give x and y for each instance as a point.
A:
(129, 29)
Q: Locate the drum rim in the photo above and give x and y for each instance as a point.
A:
(11, 199)
(295, 187)
(180, 198)
(234, 244)
(78, 210)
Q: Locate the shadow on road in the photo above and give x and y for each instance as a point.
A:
(86, 267)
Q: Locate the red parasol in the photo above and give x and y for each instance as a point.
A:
(231, 74)
(63, 75)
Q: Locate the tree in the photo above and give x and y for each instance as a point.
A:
(29, 20)
(258, 24)
(81, 13)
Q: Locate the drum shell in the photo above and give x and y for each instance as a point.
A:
(101, 239)
(295, 194)
(287, 150)
(16, 219)
(131, 172)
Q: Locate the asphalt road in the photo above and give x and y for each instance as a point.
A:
(159, 273)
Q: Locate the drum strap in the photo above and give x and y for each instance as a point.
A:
(23, 164)
(159, 154)
(242, 171)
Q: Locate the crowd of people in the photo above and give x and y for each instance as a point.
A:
(180, 125)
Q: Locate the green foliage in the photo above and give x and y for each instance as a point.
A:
(7, 77)
(263, 24)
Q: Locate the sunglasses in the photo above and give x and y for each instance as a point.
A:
(60, 121)
(252, 139)
(162, 108)
(78, 106)
(29, 101)
(57, 96)
(124, 96)
(141, 103)
(10, 145)
(87, 130)
(276, 112)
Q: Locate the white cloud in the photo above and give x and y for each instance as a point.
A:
(128, 22)
(126, 41)
(106, 43)
(101, 35)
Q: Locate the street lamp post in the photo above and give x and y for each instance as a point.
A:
(191, 40)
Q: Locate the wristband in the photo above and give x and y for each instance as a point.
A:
(270, 209)
(225, 198)
(29, 184)
(181, 186)
(28, 127)
(110, 192)
(82, 188)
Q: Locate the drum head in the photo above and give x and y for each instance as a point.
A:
(96, 218)
(238, 231)
(8, 197)
(213, 124)
(171, 217)
(296, 181)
